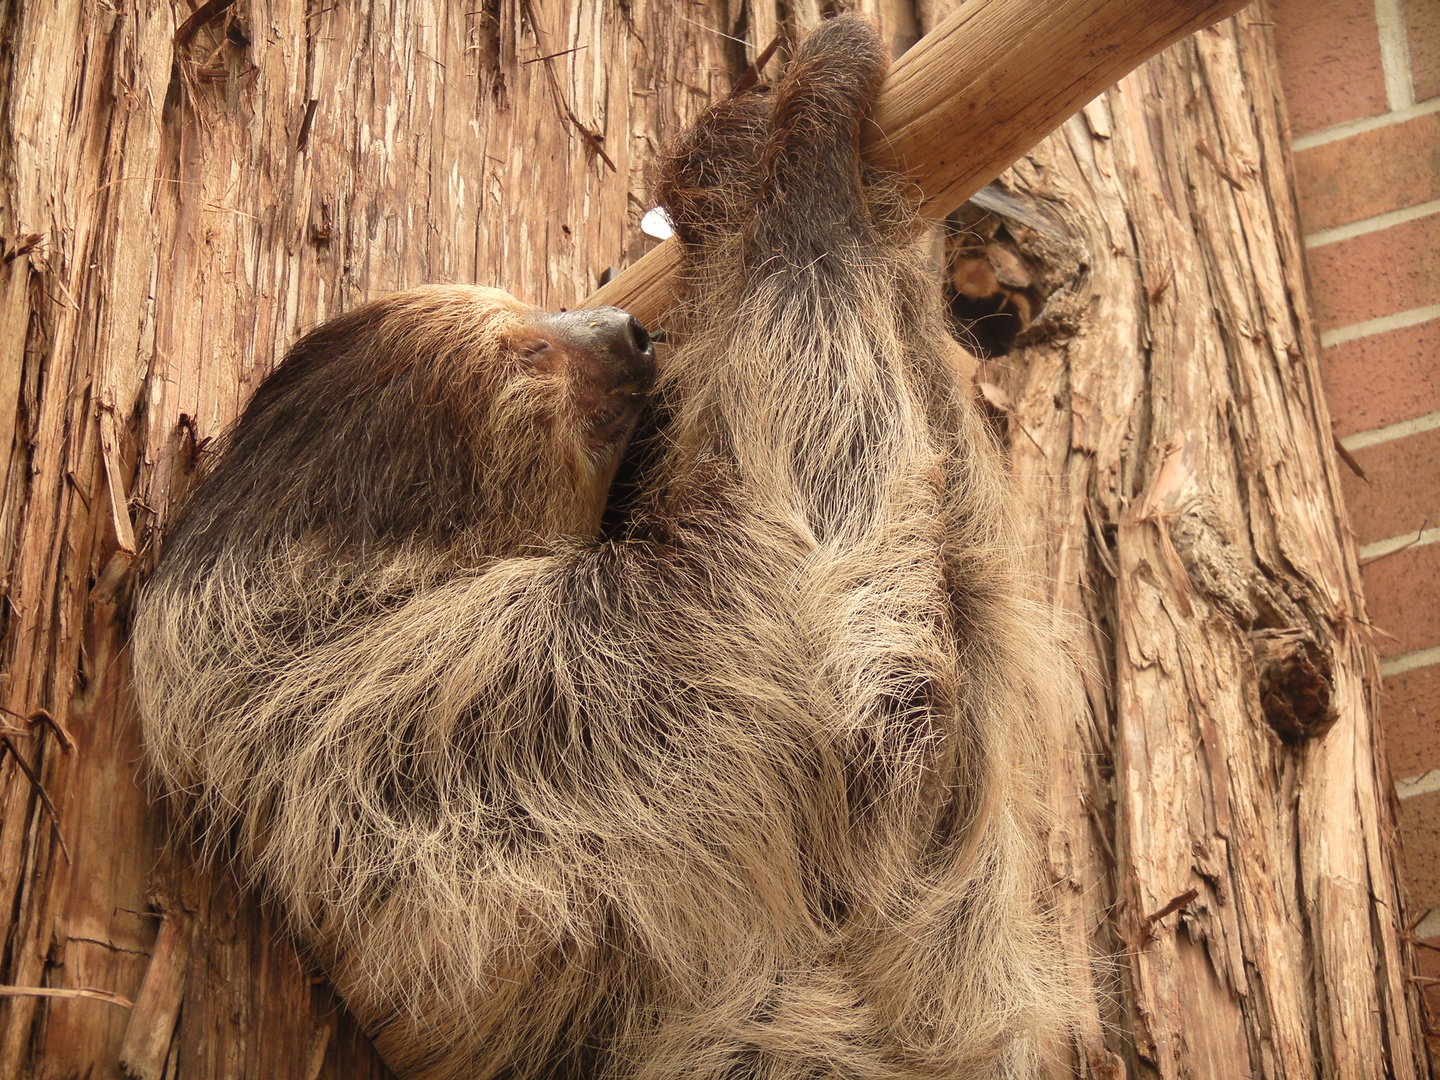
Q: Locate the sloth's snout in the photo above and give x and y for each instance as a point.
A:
(640, 335)
(606, 357)
(609, 345)
(624, 332)
(616, 338)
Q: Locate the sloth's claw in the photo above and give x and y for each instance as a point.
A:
(821, 101)
(792, 153)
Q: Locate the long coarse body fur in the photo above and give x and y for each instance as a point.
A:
(743, 789)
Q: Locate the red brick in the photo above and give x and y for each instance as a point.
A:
(1420, 836)
(1428, 961)
(1410, 710)
(1402, 594)
(1329, 61)
(1404, 489)
(1384, 378)
(1368, 174)
(1422, 26)
(1379, 273)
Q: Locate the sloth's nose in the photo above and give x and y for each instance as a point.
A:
(618, 333)
(613, 336)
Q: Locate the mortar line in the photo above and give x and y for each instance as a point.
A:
(1371, 327)
(1429, 926)
(1358, 127)
(1391, 666)
(1424, 784)
(1394, 55)
(1371, 224)
(1390, 432)
(1381, 548)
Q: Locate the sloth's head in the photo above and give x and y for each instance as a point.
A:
(449, 415)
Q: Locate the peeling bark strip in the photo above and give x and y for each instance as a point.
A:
(84, 993)
(152, 1024)
(189, 187)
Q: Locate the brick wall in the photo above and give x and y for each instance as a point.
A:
(1362, 86)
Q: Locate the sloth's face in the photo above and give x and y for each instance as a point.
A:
(601, 363)
(442, 411)
(572, 385)
(544, 402)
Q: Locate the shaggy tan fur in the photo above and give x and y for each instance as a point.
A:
(741, 788)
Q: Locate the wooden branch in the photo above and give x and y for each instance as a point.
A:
(974, 95)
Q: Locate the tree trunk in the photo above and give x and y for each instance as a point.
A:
(1225, 837)
(185, 191)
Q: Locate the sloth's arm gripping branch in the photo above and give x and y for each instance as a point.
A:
(798, 289)
(942, 95)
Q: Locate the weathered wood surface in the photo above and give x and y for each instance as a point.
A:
(1235, 863)
(183, 191)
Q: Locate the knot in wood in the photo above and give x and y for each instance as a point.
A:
(1295, 684)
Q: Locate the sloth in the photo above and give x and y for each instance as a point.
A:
(740, 784)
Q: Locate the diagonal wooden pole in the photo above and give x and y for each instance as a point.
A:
(974, 95)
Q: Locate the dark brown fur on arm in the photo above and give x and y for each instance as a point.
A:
(741, 792)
